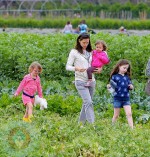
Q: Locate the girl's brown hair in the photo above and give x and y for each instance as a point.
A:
(35, 65)
(120, 63)
(80, 38)
(103, 43)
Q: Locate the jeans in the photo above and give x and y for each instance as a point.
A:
(86, 93)
(121, 103)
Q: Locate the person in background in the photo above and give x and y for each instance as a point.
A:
(78, 61)
(121, 76)
(122, 30)
(99, 59)
(68, 28)
(29, 86)
(83, 28)
(147, 73)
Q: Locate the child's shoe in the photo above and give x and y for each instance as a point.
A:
(25, 119)
(88, 84)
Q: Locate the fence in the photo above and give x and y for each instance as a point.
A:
(38, 8)
(75, 13)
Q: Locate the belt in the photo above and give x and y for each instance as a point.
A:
(28, 95)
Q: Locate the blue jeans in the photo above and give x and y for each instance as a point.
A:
(120, 103)
(86, 93)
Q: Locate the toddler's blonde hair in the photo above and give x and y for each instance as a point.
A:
(35, 65)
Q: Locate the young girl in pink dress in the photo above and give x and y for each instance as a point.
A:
(99, 59)
(29, 86)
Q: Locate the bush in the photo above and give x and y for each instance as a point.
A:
(19, 50)
(92, 22)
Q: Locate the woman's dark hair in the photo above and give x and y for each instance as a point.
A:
(120, 63)
(80, 38)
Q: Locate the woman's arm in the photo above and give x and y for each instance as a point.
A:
(70, 62)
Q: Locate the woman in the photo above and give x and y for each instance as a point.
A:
(79, 60)
(68, 28)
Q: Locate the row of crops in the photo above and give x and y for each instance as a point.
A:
(55, 131)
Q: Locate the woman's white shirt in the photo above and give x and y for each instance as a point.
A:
(77, 59)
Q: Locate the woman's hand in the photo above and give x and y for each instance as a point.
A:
(79, 69)
(98, 70)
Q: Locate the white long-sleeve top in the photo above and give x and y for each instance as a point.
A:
(79, 60)
(68, 29)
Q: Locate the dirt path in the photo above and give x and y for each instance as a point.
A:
(49, 31)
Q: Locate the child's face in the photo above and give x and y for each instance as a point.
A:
(99, 47)
(35, 72)
(123, 68)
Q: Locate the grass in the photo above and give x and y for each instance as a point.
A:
(54, 136)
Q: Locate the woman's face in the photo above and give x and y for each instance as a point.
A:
(84, 43)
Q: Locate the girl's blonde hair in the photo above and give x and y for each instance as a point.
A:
(103, 43)
(120, 63)
(35, 65)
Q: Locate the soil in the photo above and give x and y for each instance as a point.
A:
(49, 31)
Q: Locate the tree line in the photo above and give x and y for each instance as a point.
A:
(125, 9)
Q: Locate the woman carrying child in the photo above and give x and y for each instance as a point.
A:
(78, 61)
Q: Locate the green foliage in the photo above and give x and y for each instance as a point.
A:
(61, 136)
(58, 125)
(59, 22)
(142, 7)
(127, 6)
(63, 106)
(63, 99)
(144, 118)
(19, 50)
(115, 7)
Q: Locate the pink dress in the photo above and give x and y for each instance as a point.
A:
(29, 86)
(99, 59)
